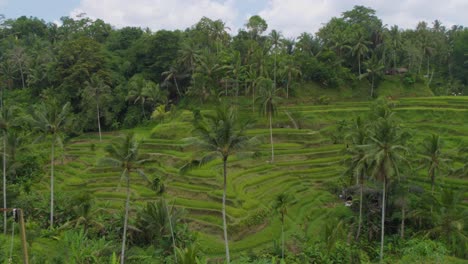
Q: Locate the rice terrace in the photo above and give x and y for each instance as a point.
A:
(215, 142)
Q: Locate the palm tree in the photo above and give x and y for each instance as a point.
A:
(220, 136)
(123, 153)
(360, 49)
(281, 204)
(188, 56)
(6, 122)
(395, 42)
(275, 38)
(172, 73)
(50, 119)
(357, 165)
(268, 101)
(96, 91)
(137, 85)
(154, 95)
(291, 69)
(160, 188)
(385, 155)
(374, 68)
(433, 156)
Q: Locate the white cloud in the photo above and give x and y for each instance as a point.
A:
(293, 17)
(158, 14)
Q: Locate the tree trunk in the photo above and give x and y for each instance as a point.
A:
(253, 98)
(282, 237)
(271, 140)
(99, 122)
(372, 86)
(402, 234)
(177, 86)
(143, 109)
(287, 85)
(172, 231)
(52, 181)
(359, 64)
(127, 207)
(22, 76)
(432, 173)
(382, 235)
(4, 184)
(360, 210)
(274, 73)
(226, 244)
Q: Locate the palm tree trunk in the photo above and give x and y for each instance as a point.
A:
(372, 86)
(143, 109)
(226, 244)
(172, 231)
(359, 64)
(360, 210)
(99, 122)
(4, 184)
(402, 234)
(287, 85)
(271, 140)
(177, 86)
(127, 207)
(22, 76)
(282, 237)
(382, 235)
(274, 74)
(52, 161)
(253, 98)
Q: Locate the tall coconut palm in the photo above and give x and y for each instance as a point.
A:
(385, 156)
(357, 164)
(275, 38)
(360, 49)
(268, 100)
(433, 157)
(7, 120)
(291, 70)
(374, 68)
(137, 86)
(50, 119)
(220, 136)
(96, 91)
(281, 204)
(123, 153)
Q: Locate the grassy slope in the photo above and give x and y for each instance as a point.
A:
(305, 161)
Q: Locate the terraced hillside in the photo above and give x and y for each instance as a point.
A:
(305, 161)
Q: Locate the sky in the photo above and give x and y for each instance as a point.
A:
(291, 17)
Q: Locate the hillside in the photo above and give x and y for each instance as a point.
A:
(307, 165)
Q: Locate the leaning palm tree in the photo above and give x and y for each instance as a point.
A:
(385, 156)
(281, 204)
(123, 153)
(268, 100)
(171, 75)
(50, 119)
(220, 136)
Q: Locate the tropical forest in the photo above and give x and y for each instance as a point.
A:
(208, 145)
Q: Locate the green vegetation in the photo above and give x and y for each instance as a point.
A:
(370, 142)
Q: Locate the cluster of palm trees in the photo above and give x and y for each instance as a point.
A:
(378, 149)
